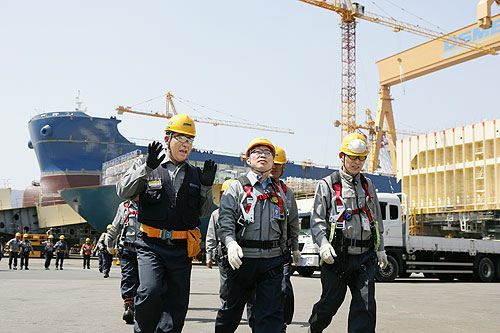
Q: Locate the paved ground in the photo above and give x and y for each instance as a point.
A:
(77, 300)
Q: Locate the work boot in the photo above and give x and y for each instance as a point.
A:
(61, 268)
(15, 268)
(10, 266)
(128, 314)
(57, 268)
(21, 268)
(27, 268)
(106, 275)
(88, 267)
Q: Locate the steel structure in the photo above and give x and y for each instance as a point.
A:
(349, 12)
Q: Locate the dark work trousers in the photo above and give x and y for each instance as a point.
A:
(107, 260)
(13, 257)
(101, 261)
(59, 256)
(287, 289)
(130, 273)
(223, 276)
(24, 259)
(48, 258)
(162, 298)
(362, 311)
(288, 299)
(223, 292)
(264, 275)
(86, 261)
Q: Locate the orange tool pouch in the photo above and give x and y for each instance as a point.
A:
(193, 242)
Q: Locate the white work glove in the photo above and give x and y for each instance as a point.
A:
(234, 253)
(327, 253)
(296, 256)
(382, 259)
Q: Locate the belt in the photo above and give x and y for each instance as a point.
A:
(256, 244)
(129, 244)
(358, 242)
(163, 233)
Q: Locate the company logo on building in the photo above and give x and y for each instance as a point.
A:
(473, 36)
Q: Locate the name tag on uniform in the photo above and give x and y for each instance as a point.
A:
(276, 212)
(366, 222)
(154, 184)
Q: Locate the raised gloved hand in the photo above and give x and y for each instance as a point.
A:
(382, 259)
(234, 254)
(154, 159)
(207, 176)
(296, 256)
(327, 253)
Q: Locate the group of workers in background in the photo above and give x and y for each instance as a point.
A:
(252, 237)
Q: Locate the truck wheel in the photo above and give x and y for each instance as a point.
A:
(390, 272)
(485, 270)
(498, 270)
(306, 271)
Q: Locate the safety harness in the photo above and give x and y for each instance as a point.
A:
(130, 212)
(247, 204)
(341, 214)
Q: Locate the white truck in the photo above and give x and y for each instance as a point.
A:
(441, 257)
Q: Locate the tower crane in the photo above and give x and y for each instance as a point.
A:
(349, 13)
(206, 120)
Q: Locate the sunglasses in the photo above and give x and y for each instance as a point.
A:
(352, 157)
(184, 139)
(265, 152)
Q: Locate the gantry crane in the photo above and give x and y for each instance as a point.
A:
(349, 12)
(207, 120)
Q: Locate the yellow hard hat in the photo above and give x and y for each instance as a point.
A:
(18, 234)
(280, 156)
(108, 227)
(262, 141)
(87, 239)
(25, 236)
(51, 236)
(61, 237)
(354, 144)
(225, 184)
(181, 123)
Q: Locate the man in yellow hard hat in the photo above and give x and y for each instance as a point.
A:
(48, 249)
(214, 248)
(346, 223)
(61, 248)
(123, 234)
(173, 195)
(293, 235)
(26, 249)
(86, 250)
(105, 257)
(254, 227)
(14, 247)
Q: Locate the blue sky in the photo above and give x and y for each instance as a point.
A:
(272, 62)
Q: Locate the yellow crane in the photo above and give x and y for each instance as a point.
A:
(349, 13)
(206, 120)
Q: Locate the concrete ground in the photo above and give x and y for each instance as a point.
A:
(77, 300)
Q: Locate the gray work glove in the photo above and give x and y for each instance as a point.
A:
(382, 259)
(234, 254)
(327, 253)
(207, 176)
(154, 159)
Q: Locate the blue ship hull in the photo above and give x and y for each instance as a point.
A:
(72, 146)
